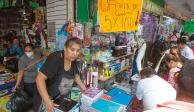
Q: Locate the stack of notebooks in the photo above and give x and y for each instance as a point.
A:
(119, 102)
(88, 97)
(120, 96)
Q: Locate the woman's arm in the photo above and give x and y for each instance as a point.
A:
(11, 57)
(20, 76)
(41, 85)
(80, 83)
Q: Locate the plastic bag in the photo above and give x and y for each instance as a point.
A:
(20, 101)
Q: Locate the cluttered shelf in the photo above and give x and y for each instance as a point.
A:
(115, 58)
(114, 74)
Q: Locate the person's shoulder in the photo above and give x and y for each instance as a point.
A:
(187, 48)
(56, 53)
(158, 78)
(37, 55)
(154, 79)
(23, 57)
(143, 81)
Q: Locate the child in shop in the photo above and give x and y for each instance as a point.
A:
(176, 52)
(174, 64)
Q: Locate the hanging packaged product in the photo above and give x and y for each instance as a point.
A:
(60, 41)
(61, 37)
(95, 77)
(78, 31)
(88, 31)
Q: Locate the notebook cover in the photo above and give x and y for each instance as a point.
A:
(114, 91)
(103, 105)
(122, 98)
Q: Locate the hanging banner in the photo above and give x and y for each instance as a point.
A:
(189, 26)
(119, 15)
(149, 6)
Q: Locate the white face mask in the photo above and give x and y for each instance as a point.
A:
(29, 54)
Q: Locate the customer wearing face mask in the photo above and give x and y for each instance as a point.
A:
(27, 70)
(57, 75)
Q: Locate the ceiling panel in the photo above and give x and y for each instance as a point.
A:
(185, 7)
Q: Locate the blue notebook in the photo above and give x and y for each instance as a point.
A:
(120, 96)
(102, 105)
(115, 91)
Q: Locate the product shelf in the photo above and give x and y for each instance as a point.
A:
(114, 74)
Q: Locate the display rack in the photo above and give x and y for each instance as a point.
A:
(115, 58)
(10, 20)
(114, 74)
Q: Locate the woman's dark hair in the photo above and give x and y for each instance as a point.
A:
(147, 72)
(73, 40)
(29, 45)
(181, 41)
(191, 38)
(163, 46)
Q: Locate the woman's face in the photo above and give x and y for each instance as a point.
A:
(28, 51)
(72, 52)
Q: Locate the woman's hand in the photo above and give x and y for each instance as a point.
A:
(15, 87)
(50, 106)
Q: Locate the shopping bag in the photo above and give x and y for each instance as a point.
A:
(20, 101)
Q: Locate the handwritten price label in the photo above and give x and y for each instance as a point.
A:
(119, 15)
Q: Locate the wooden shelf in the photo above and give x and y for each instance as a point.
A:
(116, 58)
(114, 74)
